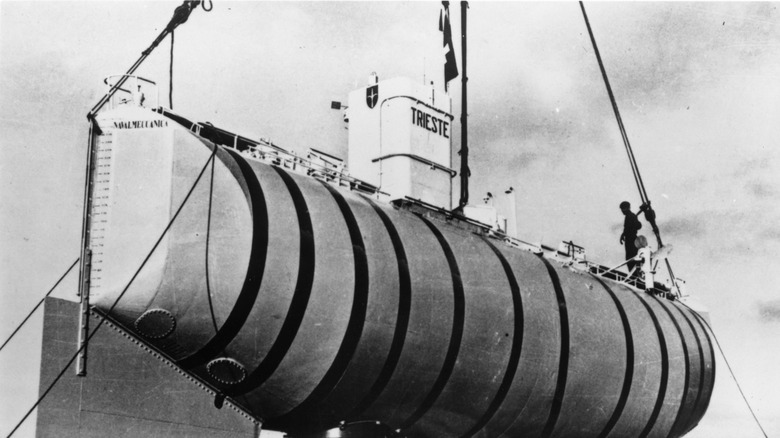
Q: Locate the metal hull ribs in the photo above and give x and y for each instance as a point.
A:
(308, 304)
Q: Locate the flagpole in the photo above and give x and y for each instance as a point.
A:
(464, 148)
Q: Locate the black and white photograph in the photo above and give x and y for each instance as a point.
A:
(395, 219)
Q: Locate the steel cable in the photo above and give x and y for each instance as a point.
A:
(623, 134)
(726, 361)
(121, 294)
(208, 238)
(39, 303)
(170, 77)
(646, 206)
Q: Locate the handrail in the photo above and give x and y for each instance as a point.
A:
(266, 150)
(105, 80)
(276, 155)
(421, 102)
(420, 159)
(540, 249)
(180, 15)
(114, 87)
(416, 101)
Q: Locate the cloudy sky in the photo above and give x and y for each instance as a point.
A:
(698, 85)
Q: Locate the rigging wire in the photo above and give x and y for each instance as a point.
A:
(39, 303)
(170, 77)
(623, 134)
(121, 294)
(208, 236)
(723, 355)
(232, 372)
(208, 276)
(180, 16)
(646, 207)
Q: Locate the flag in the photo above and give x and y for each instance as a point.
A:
(450, 66)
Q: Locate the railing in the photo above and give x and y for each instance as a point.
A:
(331, 169)
(264, 150)
(134, 94)
(573, 257)
(427, 162)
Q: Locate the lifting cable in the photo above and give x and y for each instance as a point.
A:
(650, 214)
(208, 238)
(170, 77)
(121, 294)
(726, 361)
(180, 16)
(39, 303)
(645, 207)
(626, 143)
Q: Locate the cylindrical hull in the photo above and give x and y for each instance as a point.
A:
(309, 305)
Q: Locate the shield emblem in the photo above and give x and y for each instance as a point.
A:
(372, 95)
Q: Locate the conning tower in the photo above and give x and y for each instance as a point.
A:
(400, 137)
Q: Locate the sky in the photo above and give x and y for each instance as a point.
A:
(697, 84)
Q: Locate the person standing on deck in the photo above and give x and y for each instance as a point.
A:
(631, 226)
(138, 97)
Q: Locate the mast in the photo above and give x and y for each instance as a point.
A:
(464, 133)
